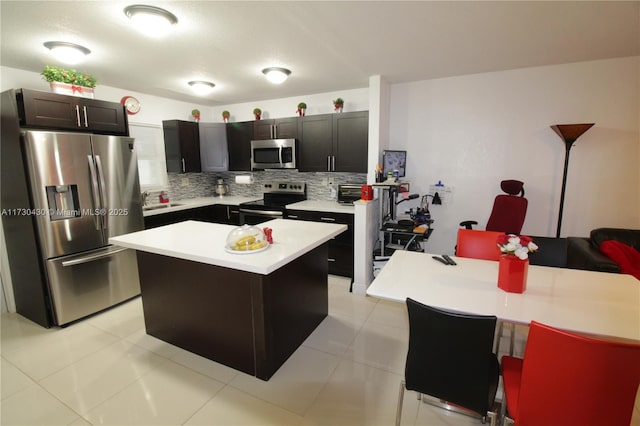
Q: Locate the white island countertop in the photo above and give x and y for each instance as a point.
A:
(205, 243)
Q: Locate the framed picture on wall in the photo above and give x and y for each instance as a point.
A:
(394, 160)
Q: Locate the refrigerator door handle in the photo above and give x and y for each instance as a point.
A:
(103, 191)
(95, 192)
(92, 257)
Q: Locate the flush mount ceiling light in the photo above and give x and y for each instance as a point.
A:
(69, 53)
(276, 75)
(151, 20)
(201, 87)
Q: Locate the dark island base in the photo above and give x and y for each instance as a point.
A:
(247, 321)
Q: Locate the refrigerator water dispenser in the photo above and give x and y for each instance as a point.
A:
(63, 202)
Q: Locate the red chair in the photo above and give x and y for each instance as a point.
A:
(508, 211)
(478, 244)
(568, 379)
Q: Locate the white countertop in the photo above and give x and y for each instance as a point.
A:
(192, 203)
(205, 242)
(322, 206)
(599, 303)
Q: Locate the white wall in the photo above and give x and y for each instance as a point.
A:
(321, 103)
(155, 109)
(473, 131)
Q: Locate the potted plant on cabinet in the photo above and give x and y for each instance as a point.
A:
(338, 104)
(69, 81)
(196, 114)
(302, 107)
(225, 116)
(257, 112)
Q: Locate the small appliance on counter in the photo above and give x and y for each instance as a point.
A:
(221, 188)
(348, 193)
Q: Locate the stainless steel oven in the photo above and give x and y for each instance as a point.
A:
(276, 196)
(273, 154)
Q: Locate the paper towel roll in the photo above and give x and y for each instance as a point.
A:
(244, 180)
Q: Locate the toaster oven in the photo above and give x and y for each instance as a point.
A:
(348, 193)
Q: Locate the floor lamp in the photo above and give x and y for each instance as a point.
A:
(569, 133)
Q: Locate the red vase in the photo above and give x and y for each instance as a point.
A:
(512, 274)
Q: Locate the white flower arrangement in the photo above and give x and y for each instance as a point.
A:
(519, 246)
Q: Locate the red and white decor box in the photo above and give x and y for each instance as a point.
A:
(71, 89)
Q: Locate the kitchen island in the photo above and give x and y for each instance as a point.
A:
(248, 311)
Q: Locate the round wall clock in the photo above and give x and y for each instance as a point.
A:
(131, 104)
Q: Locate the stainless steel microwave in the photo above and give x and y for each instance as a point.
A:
(273, 154)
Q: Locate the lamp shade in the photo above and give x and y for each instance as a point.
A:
(69, 53)
(150, 20)
(201, 87)
(571, 132)
(276, 75)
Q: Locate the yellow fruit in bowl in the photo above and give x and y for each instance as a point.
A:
(258, 245)
(247, 240)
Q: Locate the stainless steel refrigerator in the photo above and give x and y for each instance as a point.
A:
(83, 188)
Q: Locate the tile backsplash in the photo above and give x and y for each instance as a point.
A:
(191, 185)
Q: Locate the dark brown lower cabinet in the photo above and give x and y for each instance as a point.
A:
(217, 213)
(340, 255)
(247, 321)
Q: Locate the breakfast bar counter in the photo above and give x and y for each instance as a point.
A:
(249, 311)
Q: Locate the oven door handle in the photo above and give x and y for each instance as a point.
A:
(262, 212)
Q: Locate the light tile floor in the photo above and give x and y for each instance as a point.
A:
(107, 370)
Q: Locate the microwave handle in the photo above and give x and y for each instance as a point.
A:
(280, 155)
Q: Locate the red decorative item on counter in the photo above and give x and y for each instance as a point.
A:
(366, 192)
(164, 198)
(512, 274)
(268, 234)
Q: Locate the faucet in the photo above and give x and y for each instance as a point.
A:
(145, 194)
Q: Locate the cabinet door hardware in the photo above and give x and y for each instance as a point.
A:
(328, 219)
(86, 122)
(184, 169)
(78, 115)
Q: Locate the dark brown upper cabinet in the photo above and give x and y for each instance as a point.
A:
(279, 128)
(48, 110)
(334, 142)
(182, 146)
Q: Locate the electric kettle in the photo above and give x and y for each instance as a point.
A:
(221, 188)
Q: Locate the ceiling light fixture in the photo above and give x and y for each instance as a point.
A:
(201, 87)
(276, 75)
(152, 21)
(69, 53)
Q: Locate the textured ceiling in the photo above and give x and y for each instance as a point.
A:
(328, 46)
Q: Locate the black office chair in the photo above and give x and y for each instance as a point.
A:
(450, 358)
